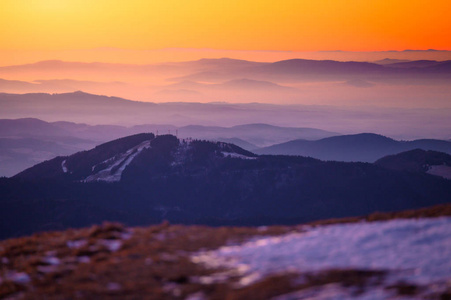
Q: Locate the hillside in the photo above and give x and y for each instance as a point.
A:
(143, 179)
(197, 262)
(144, 151)
(431, 162)
(364, 147)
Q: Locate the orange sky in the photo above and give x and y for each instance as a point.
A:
(295, 25)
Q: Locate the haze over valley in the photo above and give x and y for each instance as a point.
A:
(297, 81)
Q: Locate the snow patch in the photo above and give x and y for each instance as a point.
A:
(440, 170)
(105, 162)
(236, 155)
(77, 244)
(112, 245)
(336, 291)
(63, 166)
(415, 251)
(18, 277)
(84, 259)
(51, 260)
(118, 164)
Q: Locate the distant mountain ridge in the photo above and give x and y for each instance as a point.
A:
(365, 147)
(303, 69)
(61, 76)
(324, 82)
(80, 107)
(208, 65)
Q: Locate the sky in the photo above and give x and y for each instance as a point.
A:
(32, 27)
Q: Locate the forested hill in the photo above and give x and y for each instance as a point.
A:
(144, 179)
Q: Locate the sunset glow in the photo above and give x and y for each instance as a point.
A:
(293, 25)
(61, 46)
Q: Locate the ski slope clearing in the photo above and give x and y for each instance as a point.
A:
(117, 165)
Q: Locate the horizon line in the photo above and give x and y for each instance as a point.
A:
(219, 49)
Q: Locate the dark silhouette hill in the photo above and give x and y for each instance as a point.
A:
(365, 147)
(420, 161)
(143, 179)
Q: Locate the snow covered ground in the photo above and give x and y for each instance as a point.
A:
(414, 251)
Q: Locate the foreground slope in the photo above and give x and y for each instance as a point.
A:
(143, 179)
(188, 262)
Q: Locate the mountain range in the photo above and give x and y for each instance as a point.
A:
(26, 142)
(225, 79)
(225, 68)
(144, 179)
(80, 107)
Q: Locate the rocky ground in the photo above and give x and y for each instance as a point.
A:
(156, 262)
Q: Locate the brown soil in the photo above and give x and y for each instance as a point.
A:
(112, 261)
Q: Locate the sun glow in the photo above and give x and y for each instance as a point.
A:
(247, 25)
